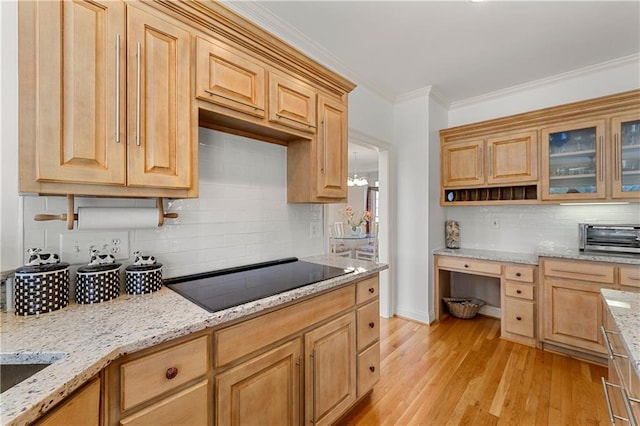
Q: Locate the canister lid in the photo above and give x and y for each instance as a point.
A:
(142, 268)
(48, 267)
(98, 268)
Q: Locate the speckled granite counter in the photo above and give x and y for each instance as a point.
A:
(625, 310)
(532, 258)
(83, 339)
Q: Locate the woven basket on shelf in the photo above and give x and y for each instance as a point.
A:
(463, 307)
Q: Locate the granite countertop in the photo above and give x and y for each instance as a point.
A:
(625, 308)
(83, 339)
(533, 258)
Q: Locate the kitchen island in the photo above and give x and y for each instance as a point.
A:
(84, 339)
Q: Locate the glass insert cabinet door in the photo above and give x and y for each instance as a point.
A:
(573, 161)
(625, 132)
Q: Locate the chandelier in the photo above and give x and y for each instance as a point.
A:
(355, 180)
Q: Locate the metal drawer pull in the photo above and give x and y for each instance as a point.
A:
(171, 373)
(607, 343)
(117, 88)
(612, 416)
(138, 92)
(627, 406)
(304, 123)
(257, 108)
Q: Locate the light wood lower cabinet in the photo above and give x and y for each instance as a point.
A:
(263, 390)
(330, 370)
(80, 409)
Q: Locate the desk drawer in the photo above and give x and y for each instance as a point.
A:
(471, 265)
(149, 376)
(368, 369)
(367, 289)
(519, 317)
(519, 290)
(519, 273)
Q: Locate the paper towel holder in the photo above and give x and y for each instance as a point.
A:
(70, 216)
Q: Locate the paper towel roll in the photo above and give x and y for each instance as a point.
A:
(117, 218)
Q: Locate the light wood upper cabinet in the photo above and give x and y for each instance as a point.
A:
(625, 161)
(292, 103)
(513, 158)
(159, 105)
(463, 164)
(332, 149)
(81, 93)
(228, 78)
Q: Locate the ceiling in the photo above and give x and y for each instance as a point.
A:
(461, 49)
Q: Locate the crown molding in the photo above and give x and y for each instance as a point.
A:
(614, 63)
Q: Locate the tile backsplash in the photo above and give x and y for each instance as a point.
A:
(241, 215)
(527, 228)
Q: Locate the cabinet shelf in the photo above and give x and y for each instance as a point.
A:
(582, 153)
(516, 193)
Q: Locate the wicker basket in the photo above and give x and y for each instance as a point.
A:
(463, 307)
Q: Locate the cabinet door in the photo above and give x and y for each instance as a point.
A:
(80, 94)
(573, 314)
(513, 158)
(332, 149)
(226, 78)
(264, 390)
(159, 102)
(625, 179)
(573, 161)
(292, 104)
(330, 370)
(462, 164)
(81, 408)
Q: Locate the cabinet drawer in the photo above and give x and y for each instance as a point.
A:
(518, 317)
(367, 289)
(82, 408)
(586, 271)
(292, 103)
(147, 377)
(237, 341)
(470, 265)
(188, 407)
(519, 290)
(368, 369)
(519, 273)
(368, 326)
(630, 276)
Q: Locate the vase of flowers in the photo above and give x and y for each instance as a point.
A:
(355, 221)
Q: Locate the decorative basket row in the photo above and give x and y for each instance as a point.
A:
(463, 307)
(45, 288)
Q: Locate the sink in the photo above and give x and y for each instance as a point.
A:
(12, 374)
(17, 367)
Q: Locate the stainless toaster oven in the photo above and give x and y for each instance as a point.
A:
(610, 238)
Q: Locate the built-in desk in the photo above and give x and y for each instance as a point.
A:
(516, 274)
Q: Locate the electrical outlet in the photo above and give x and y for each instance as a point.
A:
(495, 222)
(314, 229)
(76, 247)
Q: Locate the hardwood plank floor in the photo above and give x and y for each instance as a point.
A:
(459, 372)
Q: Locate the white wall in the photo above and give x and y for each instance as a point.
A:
(241, 216)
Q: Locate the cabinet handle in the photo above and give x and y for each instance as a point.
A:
(519, 318)
(313, 367)
(117, 88)
(372, 290)
(372, 368)
(480, 161)
(490, 161)
(519, 291)
(612, 416)
(212, 93)
(518, 274)
(138, 92)
(466, 266)
(171, 373)
(372, 325)
(626, 400)
(616, 157)
(607, 343)
(601, 158)
(309, 125)
(324, 147)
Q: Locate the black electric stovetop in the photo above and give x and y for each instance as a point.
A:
(225, 288)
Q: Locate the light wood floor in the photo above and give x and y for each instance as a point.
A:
(459, 372)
